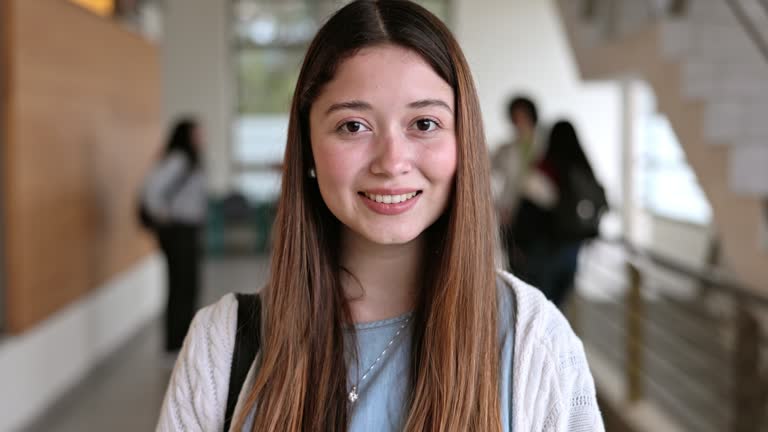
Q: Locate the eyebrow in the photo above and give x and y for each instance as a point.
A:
(350, 105)
(430, 103)
(365, 106)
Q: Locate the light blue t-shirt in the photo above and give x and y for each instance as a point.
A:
(380, 406)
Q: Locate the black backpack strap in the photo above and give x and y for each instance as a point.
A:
(247, 342)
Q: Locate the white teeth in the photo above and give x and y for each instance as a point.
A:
(390, 199)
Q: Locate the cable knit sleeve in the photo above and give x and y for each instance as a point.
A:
(553, 386)
(197, 392)
(575, 402)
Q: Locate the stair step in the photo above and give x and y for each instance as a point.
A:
(719, 81)
(748, 169)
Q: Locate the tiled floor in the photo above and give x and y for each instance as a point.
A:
(125, 392)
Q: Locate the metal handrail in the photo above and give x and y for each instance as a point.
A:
(715, 279)
(741, 15)
(653, 355)
(610, 352)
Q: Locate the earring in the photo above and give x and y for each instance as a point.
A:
(312, 173)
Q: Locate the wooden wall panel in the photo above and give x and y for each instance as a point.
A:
(85, 115)
(4, 132)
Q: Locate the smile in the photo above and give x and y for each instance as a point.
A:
(390, 203)
(390, 199)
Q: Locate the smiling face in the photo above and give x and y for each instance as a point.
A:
(384, 144)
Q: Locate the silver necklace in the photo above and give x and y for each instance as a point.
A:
(353, 394)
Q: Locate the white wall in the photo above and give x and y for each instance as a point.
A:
(519, 46)
(38, 366)
(198, 77)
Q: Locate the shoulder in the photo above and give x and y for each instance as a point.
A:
(197, 391)
(174, 164)
(214, 325)
(534, 318)
(503, 148)
(168, 168)
(553, 385)
(174, 160)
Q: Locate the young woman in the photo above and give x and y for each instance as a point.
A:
(383, 310)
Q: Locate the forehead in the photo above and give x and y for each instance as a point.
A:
(387, 73)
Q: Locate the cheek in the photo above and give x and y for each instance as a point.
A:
(336, 168)
(441, 162)
(335, 165)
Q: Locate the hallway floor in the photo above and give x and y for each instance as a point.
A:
(125, 392)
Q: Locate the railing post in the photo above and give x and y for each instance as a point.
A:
(750, 385)
(612, 17)
(635, 312)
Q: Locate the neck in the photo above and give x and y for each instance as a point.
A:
(383, 280)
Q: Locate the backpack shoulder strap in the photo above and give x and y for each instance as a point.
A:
(247, 342)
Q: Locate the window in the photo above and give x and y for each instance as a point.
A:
(666, 184)
(270, 38)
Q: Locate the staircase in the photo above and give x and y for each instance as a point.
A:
(707, 61)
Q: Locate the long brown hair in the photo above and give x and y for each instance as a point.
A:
(301, 381)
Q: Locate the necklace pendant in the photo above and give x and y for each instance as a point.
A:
(353, 394)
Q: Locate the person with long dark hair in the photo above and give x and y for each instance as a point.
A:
(383, 309)
(175, 200)
(561, 208)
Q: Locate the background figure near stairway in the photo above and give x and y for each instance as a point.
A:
(511, 163)
(561, 206)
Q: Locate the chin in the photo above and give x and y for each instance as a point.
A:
(391, 238)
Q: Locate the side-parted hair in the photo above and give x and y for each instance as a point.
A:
(564, 150)
(301, 383)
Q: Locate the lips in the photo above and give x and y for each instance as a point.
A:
(390, 202)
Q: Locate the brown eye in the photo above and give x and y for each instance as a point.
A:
(426, 125)
(353, 127)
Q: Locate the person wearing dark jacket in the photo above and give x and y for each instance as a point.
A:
(548, 233)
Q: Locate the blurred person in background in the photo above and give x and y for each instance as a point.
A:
(512, 161)
(175, 199)
(561, 206)
(384, 309)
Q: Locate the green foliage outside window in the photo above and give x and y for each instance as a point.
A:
(267, 79)
(271, 39)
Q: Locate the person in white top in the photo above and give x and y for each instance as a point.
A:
(175, 198)
(511, 163)
(383, 309)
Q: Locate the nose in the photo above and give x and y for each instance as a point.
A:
(394, 155)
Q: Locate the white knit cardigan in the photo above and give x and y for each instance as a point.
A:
(553, 389)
